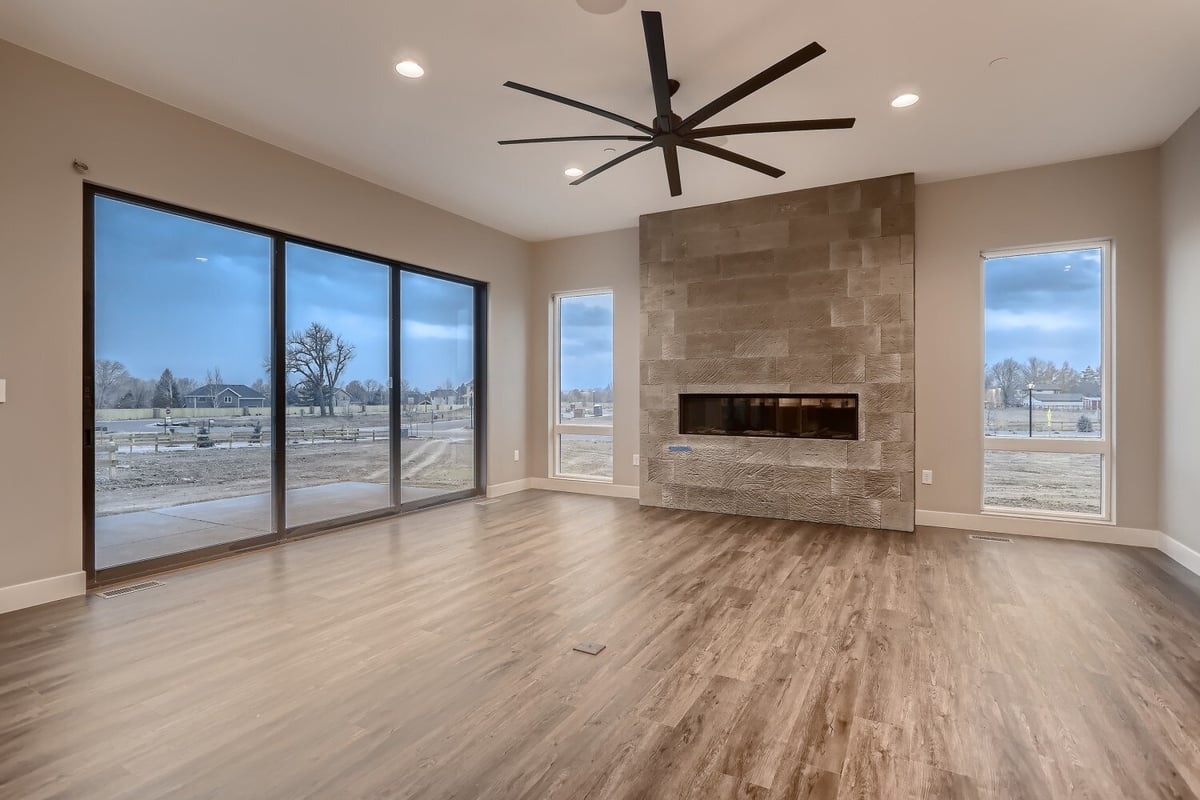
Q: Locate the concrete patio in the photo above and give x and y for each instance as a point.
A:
(137, 536)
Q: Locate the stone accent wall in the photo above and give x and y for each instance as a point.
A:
(808, 291)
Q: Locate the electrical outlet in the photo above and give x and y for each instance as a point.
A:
(926, 476)
(516, 455)
(636, 459)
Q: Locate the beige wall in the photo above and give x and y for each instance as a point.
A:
(1180, 469)
(599, 261)
(53, 114)
(1113, 197)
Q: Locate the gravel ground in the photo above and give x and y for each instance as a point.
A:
(1042, 481)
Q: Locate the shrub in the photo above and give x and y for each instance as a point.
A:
(1084, 425)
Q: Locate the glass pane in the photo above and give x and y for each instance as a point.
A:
(1056, 482)
(585, 349)
(338, 366)
(437, 381)
(1043, 336)
(183, 428)
(585, 455)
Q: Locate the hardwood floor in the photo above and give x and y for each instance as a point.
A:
(431, 657)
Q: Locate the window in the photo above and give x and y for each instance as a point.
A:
(299, 432)
(582, 403)
(1047, 415)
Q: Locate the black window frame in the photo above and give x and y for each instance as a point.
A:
(281, 533)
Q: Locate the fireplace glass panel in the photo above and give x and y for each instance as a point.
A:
(797, 416)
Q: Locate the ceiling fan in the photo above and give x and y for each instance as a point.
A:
(670, 132)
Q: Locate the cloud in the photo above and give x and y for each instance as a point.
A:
(430, 330)
(1004, 319)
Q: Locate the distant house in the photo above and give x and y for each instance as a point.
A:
(225, 395)
(1067, 401)
(342, 398)
(446, 397)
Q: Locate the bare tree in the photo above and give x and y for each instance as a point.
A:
(109, 375)
(213, 383)
(186, 386)
(319, 356)
(1008, 376)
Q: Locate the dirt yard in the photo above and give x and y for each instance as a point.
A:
(147, 480)
(1043, 481)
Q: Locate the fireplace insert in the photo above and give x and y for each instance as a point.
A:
(795, 416)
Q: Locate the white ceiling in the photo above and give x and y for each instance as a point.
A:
(1083, 78)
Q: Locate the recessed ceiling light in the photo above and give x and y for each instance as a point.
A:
(201, 258)
(572, 172)
(905, 100)
(601, 6)
(410, 69)
(610, 149)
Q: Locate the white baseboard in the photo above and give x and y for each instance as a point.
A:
(45, 590)
(584, 487)
(1049, 528)
(511, 487)
(1180, 552)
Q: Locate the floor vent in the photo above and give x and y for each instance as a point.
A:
(984, 538)
(133, 587)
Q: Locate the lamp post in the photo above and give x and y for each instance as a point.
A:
(1031, 411)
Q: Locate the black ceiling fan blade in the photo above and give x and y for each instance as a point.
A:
(656, 51)
(729, 155)
(581, 106)
(613, 163)
(749, 87)
(838, 123)
(671, 156)
(576, 139)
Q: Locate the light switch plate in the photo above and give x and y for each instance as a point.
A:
(3, 391)
(926, 476)
(516, 455)
(637, 459)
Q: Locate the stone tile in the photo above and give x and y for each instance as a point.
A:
(907, 308)
(816, 230)
(651, 346)
(881, 485)
(804, 258)
(864, 224)
(811, 453)
(878, 192)
(828, 283)
(889, 397)
(659, 322)
(673, 346)
(906, 249)
(863, 513)
(898, 218)
(741, 265)
(848, 482)
(863, 455)
(883, 368)
(897, 515)
(736, 344)
(816, 508)
(845, 311)
(862, 282)
(882, 309)
(738, 291)
(844, 197)
(845, 254)
(687, 270)
(896, 280)
(896, 338)
(849, 368)
(883, 252)
(897, 456)
(814, 368)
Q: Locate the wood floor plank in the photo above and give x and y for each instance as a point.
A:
(430, 657)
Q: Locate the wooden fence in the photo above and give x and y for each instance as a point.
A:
(115, 442)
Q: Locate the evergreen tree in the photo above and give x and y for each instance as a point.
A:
(166, 392)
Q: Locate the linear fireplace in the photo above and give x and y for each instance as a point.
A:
(794, 416)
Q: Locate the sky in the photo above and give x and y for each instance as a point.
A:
(179, 293)
(586, 346)
(1046, 305)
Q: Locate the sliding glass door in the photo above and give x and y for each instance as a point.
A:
(437, 381)
(243, 386)
(181, 457)
(338, 367)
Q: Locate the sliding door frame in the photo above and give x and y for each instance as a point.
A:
(278, 379)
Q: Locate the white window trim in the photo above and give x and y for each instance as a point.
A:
(1105, 446)
(556, 426)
